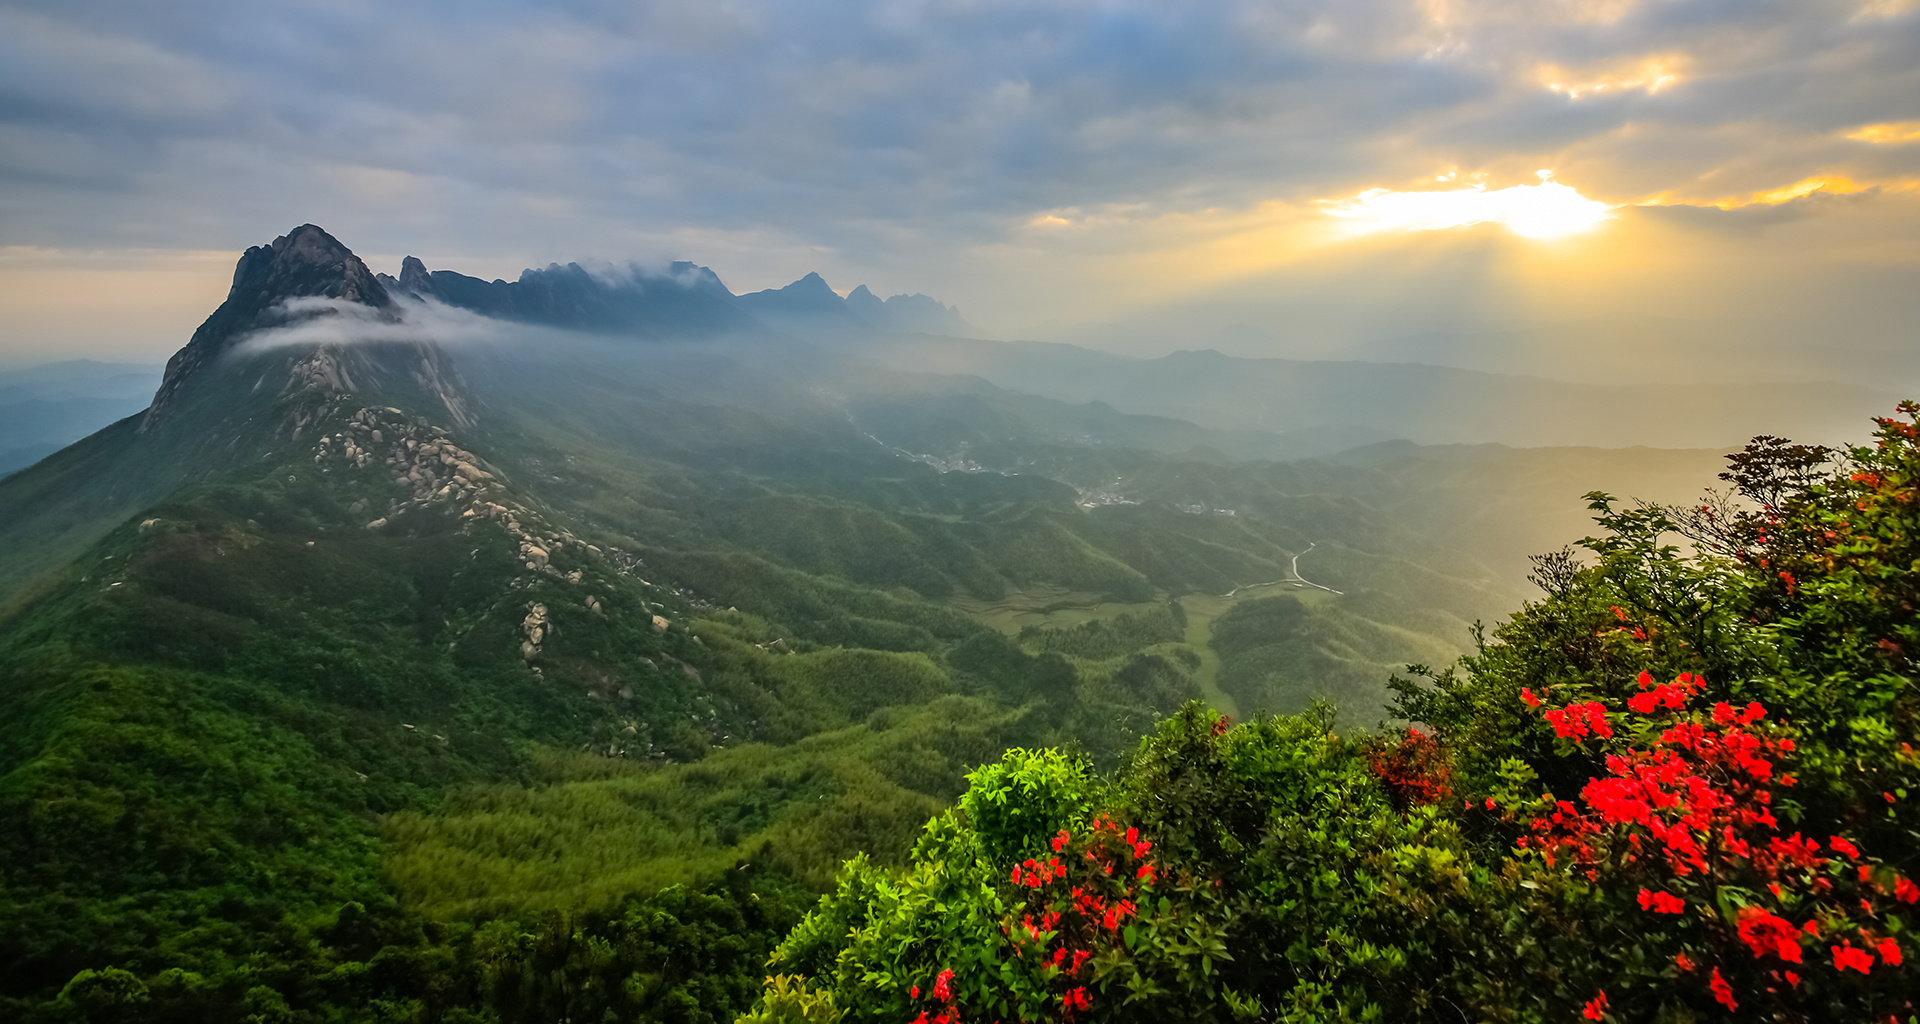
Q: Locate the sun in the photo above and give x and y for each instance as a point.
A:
(1546, 210)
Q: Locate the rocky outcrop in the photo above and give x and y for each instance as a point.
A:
(427, 468)
(420, 457)
(535, 627)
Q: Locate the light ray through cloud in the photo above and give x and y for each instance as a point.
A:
(1546, 210)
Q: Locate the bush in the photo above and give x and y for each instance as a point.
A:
(1677, 788)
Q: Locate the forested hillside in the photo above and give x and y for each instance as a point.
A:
(552, 676)
(1677, 787)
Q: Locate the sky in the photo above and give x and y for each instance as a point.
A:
(1606, 190)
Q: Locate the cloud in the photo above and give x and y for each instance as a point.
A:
(317, 320)
(1887, 134)
(911, 144)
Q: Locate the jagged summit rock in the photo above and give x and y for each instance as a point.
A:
(812, 285)
(306, 262)
(414, 276)
(811, 289)
(909, 314)
(807, 307)
(680, 300)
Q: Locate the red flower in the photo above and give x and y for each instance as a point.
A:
(1575, 721)
(1842, 846)
(1683, 962)
(1596, 1007)
(1765, 933)
(1722, 991)
(1526, 694)
(1661, 903)
(941, 990)
(1845, 956)
(1889, 951)
(914, 992)
(1906, 891)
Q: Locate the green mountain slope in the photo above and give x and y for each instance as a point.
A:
(335, 676)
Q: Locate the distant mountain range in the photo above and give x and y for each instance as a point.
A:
(1272, 408)
(1329, 405)
(681, 301)
(45, 408)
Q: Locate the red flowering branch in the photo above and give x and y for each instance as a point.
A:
(1415, 770)
(1684, 816)
(1075, 904)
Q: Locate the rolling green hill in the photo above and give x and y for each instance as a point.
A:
(360, 679)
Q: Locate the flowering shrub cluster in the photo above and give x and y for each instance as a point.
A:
(1678, 788)
(1414, 770)
(1684, 814)
(1077, 906)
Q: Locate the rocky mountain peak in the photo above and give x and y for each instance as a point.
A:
(908, 314)
(812, 289)
(306, 262)
(414, 276)
(302, 263)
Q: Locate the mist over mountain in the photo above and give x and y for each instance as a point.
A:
(1366, 401)
(680, 301)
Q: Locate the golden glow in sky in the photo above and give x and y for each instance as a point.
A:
(1652, 74)
(1892, 133)
(1546, 210)
(1807, 186)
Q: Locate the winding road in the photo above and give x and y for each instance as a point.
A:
(1296, 578)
